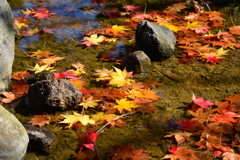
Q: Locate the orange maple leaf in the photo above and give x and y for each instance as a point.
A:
(20, 89)
(19, 75)
(41, 54)
(42, 14)
(8, 97)
(150, 94)
(40, 120)
(50, 60)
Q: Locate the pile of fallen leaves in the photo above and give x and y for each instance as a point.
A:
(216, 128)
(118, 96)
(192, 29)
(213, 127)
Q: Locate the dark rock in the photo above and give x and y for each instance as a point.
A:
(44, 75)
(14, 138)
(156, 41)
(138, 62)
(41, 139)
(54, 94)
(7, 44)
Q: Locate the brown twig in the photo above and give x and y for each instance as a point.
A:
(231, 19)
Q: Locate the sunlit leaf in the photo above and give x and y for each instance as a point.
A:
(71, 119)
(125, 104)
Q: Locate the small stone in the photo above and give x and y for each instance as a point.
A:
(40, 139)
(54, 94)
(138, 62)
(158, 42)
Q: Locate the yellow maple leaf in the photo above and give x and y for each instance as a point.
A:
(30, 32)
(125, 104)
(20, 24)
(103, 74)
(95, 39)
(133, 93)
(78, 71)
(79, 84)
(39, 68)
(119, 78)
(117, 28)
(218, 54)
(98, 118)
(111, 39)
(193, 25)
(71, 119)
(28, 11)
(101, 118)
(89, 102)
(171, 26)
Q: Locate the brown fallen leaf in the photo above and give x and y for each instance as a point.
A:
(40, 120)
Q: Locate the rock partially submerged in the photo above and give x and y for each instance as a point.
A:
(41, 139)
(14, 138)
(156, 41)
(138, 62)
(7, 44)
(58, 94)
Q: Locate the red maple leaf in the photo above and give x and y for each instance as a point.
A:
(212, 59)
(112, 13)
(224, 113)
(88, 138)
(97, 1)
(131, 8)
(201, 103)
(187, 125)
(67, 74)
(42, 13)
(225, 116)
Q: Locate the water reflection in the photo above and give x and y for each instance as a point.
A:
(70, 20)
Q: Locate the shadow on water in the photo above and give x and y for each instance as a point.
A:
(179, 81)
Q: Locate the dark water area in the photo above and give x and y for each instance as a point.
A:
(179, 81)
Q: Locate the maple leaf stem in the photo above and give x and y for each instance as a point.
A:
(96, 150)
(82, 111)
(208, 7)
(145, 8)
(231, 19)
(29, 55)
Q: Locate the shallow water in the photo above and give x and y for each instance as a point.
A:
(179, 81)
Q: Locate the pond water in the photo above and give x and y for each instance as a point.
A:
(179, 81)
